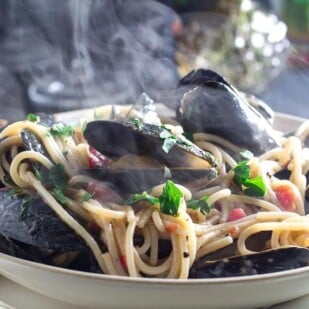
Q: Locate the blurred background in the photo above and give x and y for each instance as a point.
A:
(67, 54)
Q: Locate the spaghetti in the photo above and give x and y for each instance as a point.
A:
(233, 216)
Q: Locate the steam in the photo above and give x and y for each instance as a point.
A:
(92, 52)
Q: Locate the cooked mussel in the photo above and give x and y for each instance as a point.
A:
(116, 139)
(210, 104)
(254, 264)
(30, 229)
(140, 160)
(31, 142)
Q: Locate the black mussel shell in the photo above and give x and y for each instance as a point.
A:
(254, 264)
(214, 106)
(31, 227)
(116, 139)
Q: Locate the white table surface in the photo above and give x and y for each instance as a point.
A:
(19, 297)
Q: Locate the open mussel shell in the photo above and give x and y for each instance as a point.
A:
(212, 105)
(254, 264)
(129, 180)
(30, 229)
(116, 139)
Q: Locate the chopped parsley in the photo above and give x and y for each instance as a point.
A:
(169, 139)
(33, 117)
(250, 186)
(55, 179)
(135, 198)
(38, 174)
(59, 196)
(24, 206)
(86, 197)
(136, 122)
(61, 130)
(201, 204)
(169, 200)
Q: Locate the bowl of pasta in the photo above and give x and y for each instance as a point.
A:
(141, 206)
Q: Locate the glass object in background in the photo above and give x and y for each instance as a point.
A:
(249, 46)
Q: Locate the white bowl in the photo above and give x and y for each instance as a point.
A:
(102, 291)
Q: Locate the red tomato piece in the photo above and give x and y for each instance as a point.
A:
(96, 159)
(234, 231)
(236, 214)
(123, 262)
(171, 227)
(94, 227)
(286, 197)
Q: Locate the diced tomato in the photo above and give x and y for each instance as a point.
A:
(123, 262)
(286, 197)
(96, 159)
(102, 192)
(171, 227)
(236, 214)
(234, 231)
(94, 227)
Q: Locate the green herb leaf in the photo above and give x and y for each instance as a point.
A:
(61, 130)
(169, 144)
(201, 204)
(38, 174)
(136, 122)
(142, 197)
(24, 206)
(57, 177)
(86, 197)
(170, 199)
(59, 196)
(250, 186)
(33, 117)
(169, 139)
(241, 173)
(255, 186)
